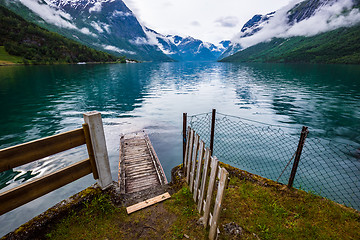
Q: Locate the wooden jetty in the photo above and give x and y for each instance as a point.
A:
(139, 166)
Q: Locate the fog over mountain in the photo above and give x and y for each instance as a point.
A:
(324, 17)
(298, 18)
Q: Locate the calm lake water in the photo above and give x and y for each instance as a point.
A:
(39, 101)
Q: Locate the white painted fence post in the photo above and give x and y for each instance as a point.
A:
(93, 119)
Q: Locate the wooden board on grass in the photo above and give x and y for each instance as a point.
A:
(148, 202)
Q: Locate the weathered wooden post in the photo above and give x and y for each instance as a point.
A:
(212, 180)
(304, 133)
(212, 131)
(203, 180)
(224, 177)
(93, 119)
(184, 136)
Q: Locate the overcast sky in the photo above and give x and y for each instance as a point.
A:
(208, 20)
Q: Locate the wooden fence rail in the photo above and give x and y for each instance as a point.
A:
(28, 152)
(197, 161)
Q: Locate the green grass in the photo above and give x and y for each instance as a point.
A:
(6, 58)
(94, 221)
(262, 208)
(99, 219)
(275, 212)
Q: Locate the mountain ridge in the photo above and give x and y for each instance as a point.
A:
(308, 20)
(35, 45)
(106, 25)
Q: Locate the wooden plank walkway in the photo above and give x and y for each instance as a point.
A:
(139, 166)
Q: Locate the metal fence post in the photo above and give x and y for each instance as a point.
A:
(212, 131)
(93, 119)
(184, 136)
(304, 133)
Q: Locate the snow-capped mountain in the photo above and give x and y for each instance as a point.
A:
(186, 48)
(255, 24)
(298, 18)
(107, 25)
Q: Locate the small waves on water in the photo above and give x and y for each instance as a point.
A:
(40, 101)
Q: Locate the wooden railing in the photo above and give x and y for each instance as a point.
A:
(97, 163)
(197, 162)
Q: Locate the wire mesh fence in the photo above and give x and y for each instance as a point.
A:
(326, 168)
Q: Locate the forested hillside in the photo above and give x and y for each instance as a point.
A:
(35, 45)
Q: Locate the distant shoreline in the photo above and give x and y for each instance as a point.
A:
(7, 64)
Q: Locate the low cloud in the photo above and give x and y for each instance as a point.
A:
(87, 31)
(53, 16)
(229, 21)
(50, 15)
(327, 18)
(97, 27)
(150, 39)
(116, 49)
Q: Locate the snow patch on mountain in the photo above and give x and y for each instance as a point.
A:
(96, 7)
(117, 13)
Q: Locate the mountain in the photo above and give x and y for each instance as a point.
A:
(251, 27)
(107, 25)
(301, 32)
(34, 45)
(187, 48)
(341, 46)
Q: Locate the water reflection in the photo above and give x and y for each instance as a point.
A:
(325, 98)
(39, 101)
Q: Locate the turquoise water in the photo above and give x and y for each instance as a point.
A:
(39, 101)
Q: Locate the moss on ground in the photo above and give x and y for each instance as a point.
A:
(256, 207)
(100, 219)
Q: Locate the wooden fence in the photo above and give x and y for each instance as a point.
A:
(202, 169)
(91, 134)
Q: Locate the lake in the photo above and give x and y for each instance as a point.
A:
(39, 101)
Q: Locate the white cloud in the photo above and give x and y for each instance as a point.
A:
(229, 21)
(116, 49)
(325, 19)
(96, 8)
(50, 15)
(106, 27)
(87, 32)
(97, 27)
(53, 16)
(176, 17)
(140, 41)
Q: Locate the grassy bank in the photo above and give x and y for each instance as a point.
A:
(254, 208)
(272, 211)
(99, 219)
(7, 59)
